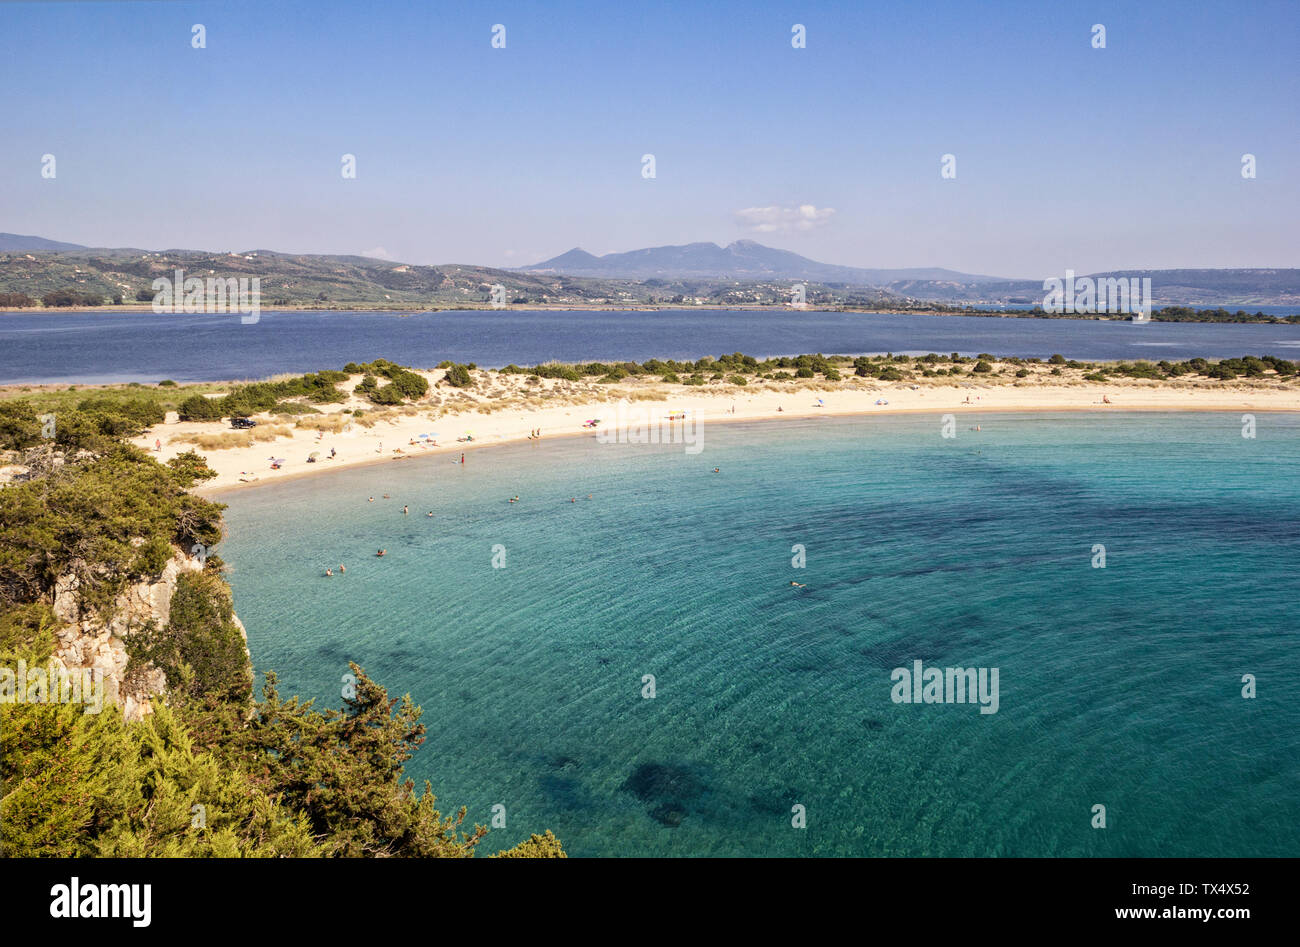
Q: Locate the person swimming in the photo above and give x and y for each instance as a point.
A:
(430, 513)
(797, 585)
(329, 571)
(717, 470)
(405, 510)
(382, 552)
(372, 499)
(341, 569)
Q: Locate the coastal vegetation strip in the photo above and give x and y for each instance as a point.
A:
(380, 410)
(299, 400)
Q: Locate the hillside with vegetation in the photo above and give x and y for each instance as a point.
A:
(212, 766)
(91, 278)
(88, 279)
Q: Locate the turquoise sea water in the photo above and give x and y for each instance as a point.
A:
(1118, 686)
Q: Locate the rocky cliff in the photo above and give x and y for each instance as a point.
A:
(98, 642)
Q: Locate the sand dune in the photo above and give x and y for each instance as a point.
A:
(507, 408)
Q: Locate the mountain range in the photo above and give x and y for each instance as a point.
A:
(743, 259)
(747, 260)
(744, 272)
(22, 243)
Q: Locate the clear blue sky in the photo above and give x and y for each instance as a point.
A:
(1067, 156)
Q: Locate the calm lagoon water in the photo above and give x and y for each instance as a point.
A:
(1119, 686)
(102, 347)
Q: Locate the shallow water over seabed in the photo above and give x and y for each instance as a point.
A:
(1119, 686)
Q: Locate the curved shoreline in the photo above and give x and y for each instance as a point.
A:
(1214, 402)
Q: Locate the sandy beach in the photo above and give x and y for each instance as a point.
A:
(501, 409)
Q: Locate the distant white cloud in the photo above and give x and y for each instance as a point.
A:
(378, 253)
(783, 219)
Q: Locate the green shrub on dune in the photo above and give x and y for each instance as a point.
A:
(562, 372)
(199, 408)
(386, 395)
(458, 377)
